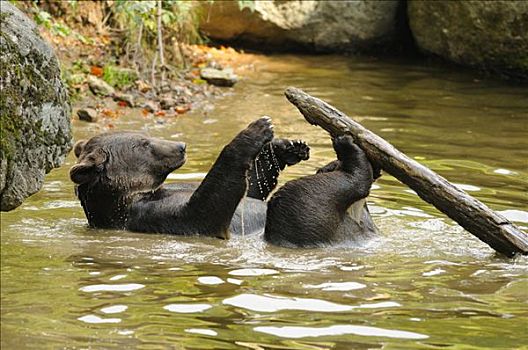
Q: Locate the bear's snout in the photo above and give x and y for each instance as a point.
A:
(181, 147)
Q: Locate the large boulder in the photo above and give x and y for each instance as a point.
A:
(492, 35)
(316, 25)
(34, 109)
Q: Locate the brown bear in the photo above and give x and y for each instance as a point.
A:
(119, 179)
(328, 207)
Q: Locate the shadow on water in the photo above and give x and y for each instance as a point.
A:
(425, 283)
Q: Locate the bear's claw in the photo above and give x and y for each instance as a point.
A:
(261, 130)
(297, 150)
(291, 151)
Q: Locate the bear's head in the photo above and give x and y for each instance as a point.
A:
(125, 162)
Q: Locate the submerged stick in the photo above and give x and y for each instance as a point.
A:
(490, 227)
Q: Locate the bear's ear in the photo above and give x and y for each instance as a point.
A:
(88, 168)
(79, 147)
(83, 172)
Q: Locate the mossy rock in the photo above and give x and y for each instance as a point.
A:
(34, 109)
(490, 35)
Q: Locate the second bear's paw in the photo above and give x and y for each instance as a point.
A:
(344, 144)
(291, 152)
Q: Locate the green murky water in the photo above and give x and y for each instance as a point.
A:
(424, 284)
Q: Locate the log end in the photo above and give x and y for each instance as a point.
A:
(292, 93)
(297, 97)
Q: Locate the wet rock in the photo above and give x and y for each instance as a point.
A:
(224, 77)
(177, 89)
(34, 109)
(99, 86)
(318, 25)
(126, 98)
(143, 86)
(167, 102)
(165, 87)
(87, 115)
(150, 106)
(491, 35)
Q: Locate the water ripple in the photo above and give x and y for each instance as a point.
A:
(112, 287)
(337, 286)
(187, 308)
(302, 332)
(253, 272)
(269, 303)
(97, 319)
(114, 309)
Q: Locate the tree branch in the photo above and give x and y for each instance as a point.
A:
(490, 227)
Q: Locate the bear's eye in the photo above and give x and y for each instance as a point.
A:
(145, 143)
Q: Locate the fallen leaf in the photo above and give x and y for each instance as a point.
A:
(182, 109)
(97, 71)
(109, 113)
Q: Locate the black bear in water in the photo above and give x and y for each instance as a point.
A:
(119, 179)
(328, 207)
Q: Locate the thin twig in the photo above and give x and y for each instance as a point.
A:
(160, 44)
(153, 70)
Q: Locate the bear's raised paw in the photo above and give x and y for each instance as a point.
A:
(291, 152)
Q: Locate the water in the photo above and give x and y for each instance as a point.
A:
(424, 284)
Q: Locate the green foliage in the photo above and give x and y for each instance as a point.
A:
(119, 77)
(73, 75)
(44, 19)
(139, 22)
(179, 18)
(185, 22)
(134, 13)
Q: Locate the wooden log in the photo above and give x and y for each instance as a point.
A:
(489, 226)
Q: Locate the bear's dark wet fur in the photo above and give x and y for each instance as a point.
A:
(119, 179)
(325, 208)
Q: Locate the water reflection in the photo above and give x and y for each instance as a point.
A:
(337, 286)
(253, 272)
(115, 309)
(302, 332)
(212, 280)
(274, 303)
(187, 308)
(97, 319)
(515, 215)
(62, 282)
(202, 331)
(112, 287)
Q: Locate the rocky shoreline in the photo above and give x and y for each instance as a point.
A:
(491, 36)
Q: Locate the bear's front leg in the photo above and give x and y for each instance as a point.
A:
(213, 204)
(354, 162)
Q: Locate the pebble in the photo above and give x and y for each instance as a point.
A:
(87, 114)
